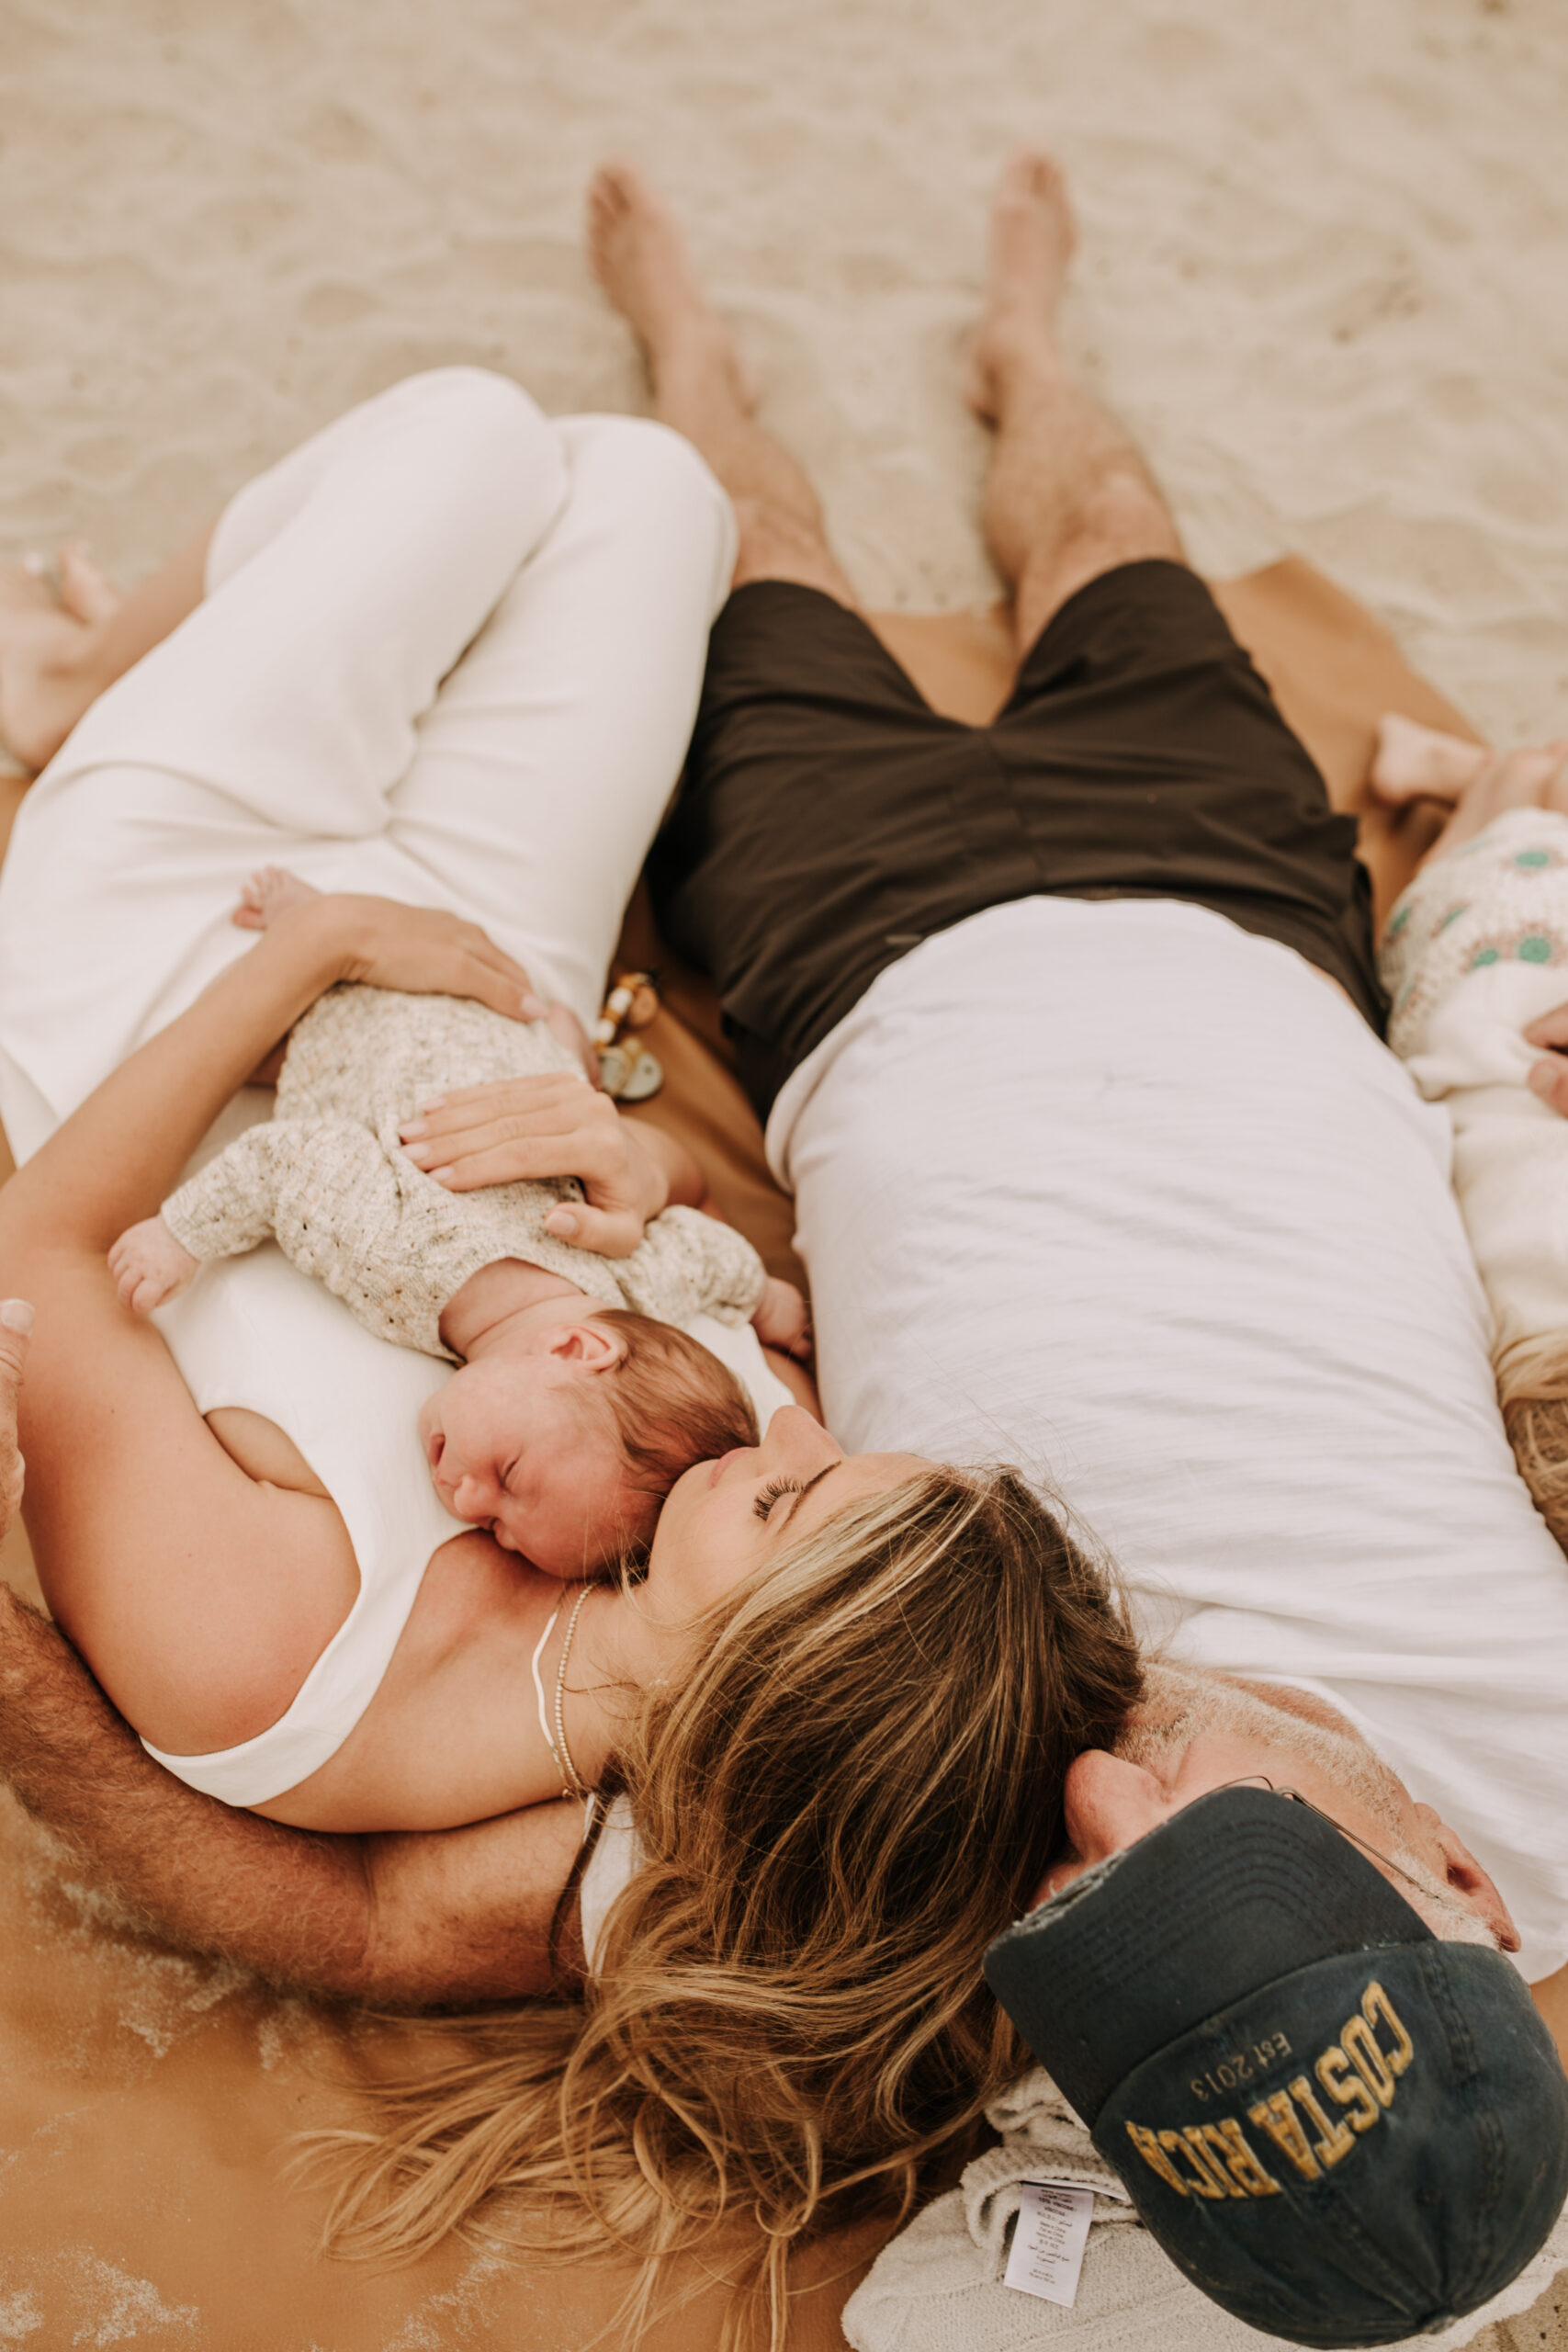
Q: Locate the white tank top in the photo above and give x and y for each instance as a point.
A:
(254, 1331)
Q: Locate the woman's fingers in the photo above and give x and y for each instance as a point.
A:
(428, 952)
(609, 1233)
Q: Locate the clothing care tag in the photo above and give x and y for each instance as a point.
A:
(1048, 2241)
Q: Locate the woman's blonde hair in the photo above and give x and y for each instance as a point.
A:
(855, 1784)
(1532, 1387)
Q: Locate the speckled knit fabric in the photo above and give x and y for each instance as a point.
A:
(1501, 897)
(326, 1178)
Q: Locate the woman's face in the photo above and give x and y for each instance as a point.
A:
(724, 1520)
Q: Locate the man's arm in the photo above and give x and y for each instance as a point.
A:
(407, 1921)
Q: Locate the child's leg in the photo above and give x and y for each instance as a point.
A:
(1503, 780)
(269, 727)
(545, 766)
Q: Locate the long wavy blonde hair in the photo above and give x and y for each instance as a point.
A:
(853, 1786)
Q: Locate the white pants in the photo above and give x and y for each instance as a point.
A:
(318, 710)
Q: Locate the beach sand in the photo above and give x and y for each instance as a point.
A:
(1322, 278)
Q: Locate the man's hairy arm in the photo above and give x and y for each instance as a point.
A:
(406, 1921)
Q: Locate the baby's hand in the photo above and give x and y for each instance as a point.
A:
(150, 1266)
(782, 1321)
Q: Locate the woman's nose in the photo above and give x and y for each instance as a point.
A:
(796, 1442)
(1108, 1804)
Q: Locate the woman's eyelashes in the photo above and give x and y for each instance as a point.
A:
(763, 1503)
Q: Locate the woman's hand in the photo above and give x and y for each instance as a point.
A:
(16, 1322)
(539, 1127)
(382, 943)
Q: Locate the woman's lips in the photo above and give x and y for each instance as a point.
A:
(722, 1465)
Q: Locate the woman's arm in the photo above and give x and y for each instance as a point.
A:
(199, 1597)
(116, 1158)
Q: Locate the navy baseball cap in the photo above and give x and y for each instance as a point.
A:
(1341, 2128)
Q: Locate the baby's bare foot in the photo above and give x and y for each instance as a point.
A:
(271, 892)
(638, 256)
(1032, 241)
(1417, 763)
(48, 642)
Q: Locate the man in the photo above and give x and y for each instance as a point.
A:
(1095, 1166)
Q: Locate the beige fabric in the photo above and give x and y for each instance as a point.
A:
(939, 2286)
(148, 2100)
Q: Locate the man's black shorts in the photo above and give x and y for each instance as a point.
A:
(830, 820)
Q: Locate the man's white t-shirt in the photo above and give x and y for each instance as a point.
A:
(1131, 1198)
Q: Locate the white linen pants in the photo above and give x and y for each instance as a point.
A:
(450, 652)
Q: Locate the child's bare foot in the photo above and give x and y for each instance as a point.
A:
(638, 256)
(1032, 240)
(48, 643)
(150, 1266)
(271, 892)
(1416, 763)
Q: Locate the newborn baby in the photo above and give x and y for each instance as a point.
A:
(579, 1404)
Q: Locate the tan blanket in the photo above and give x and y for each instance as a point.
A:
(149, 2099)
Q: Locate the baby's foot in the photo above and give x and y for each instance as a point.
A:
(150, 1266)
(272, 892)
(47, 645)
(1416, 763)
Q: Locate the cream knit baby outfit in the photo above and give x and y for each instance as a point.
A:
(1475, 950)
(327, 1178)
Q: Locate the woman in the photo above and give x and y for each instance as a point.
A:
(855, 1778)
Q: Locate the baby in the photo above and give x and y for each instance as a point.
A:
(1475, 951)
(579, 1404)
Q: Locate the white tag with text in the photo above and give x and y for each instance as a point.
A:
(1048, 2242)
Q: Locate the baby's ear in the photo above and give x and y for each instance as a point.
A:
(597, 1347)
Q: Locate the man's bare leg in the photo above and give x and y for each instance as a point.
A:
(59, 650)
(701, 386)
(1067, 496)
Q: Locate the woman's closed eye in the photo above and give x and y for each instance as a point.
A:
(763, 1503)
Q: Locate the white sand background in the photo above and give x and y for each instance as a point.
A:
(1323, 276)
(1324, 268)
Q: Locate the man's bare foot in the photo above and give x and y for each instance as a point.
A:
(48, 642)
(638, 256)
(1417, 763)
(1032, 240)
(271, 892)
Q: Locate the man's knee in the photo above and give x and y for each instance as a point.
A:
(782, 542)
(1121, 519)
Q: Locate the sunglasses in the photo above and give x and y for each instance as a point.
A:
(1261, 1780)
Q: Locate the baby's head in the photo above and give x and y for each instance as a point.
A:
(565, 1444)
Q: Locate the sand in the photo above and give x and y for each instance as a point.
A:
(1322, 278)
(1323, 267)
